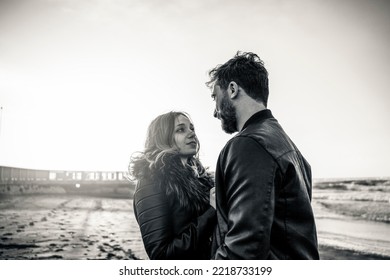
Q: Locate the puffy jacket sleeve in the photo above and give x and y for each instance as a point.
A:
(246, 172)
(155, 219)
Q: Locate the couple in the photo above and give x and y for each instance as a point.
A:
(263, 183)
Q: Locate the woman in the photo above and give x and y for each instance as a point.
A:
(171, 201)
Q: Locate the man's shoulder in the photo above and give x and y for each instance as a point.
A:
(270, 135)
(242, 147)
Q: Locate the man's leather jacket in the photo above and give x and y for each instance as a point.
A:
(263, 195)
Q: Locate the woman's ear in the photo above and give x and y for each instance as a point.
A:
(233, 90)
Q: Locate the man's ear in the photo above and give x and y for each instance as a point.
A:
(233, 90)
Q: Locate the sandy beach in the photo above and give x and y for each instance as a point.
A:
(76, 227)
(68, 227)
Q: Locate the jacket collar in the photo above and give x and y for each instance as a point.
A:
(258, 117)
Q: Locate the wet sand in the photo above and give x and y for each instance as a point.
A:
(83, 227)
(342, 237)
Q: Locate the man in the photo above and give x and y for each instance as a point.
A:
(263, 183)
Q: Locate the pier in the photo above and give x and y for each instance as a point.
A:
(15, 181)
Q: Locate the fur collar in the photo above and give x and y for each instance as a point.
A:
(183, 185)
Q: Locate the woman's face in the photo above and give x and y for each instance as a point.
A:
(185, 137)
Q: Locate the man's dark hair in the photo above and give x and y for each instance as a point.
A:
(247, 70)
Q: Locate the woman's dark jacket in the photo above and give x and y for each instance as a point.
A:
(263, 190)
(171, 205)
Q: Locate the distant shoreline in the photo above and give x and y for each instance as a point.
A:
(334, 253)
(339, 179)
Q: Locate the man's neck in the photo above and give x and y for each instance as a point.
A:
(246, 111)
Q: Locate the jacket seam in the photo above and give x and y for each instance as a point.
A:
(152, 208)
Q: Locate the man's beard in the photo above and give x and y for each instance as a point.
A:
(228, 116)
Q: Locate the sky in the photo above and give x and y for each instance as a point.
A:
(80, 81)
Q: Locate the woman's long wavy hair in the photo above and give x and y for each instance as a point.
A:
(158, 145)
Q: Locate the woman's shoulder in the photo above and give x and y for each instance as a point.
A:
(147, 187)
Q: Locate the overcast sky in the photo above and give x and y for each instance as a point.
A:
(80, 81)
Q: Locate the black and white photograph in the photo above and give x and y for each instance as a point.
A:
(194, 130)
